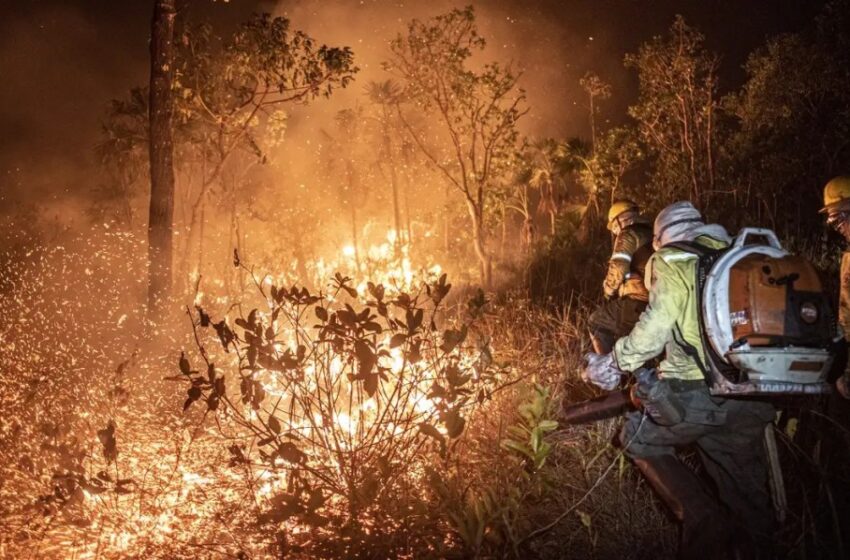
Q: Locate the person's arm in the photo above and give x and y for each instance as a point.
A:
(843, 383)
(667, 296)
(620, 262)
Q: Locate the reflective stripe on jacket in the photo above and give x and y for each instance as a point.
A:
(672, 301)
(626, 265)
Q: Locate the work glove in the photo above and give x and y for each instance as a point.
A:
(602, 371)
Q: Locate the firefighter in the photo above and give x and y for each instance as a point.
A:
(680, 409)
(623, 286)
(836, 206)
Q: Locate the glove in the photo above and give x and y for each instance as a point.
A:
(602, 371)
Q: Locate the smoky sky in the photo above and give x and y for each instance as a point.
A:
(61, 61)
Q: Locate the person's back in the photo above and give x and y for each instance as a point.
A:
(623, 285)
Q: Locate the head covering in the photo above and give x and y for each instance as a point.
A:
(680, 221)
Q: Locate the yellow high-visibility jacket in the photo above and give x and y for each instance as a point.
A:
(672, 301)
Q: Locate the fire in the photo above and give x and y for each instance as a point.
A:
(208, 468)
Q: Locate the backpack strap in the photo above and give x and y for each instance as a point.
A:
(691, 351)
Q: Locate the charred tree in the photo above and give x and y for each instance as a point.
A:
(161, 148)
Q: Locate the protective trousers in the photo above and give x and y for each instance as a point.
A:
(612, 320)
(729, 435)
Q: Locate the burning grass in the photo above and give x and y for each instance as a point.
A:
(356, 421)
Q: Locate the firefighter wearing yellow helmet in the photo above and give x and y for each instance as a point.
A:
(836, 206)
(624, 278)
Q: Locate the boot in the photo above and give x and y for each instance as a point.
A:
(705, 532)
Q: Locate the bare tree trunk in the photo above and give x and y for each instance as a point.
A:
(592, 126)
(388, 147)
(399, 230)
(446, 226)
(407, 224)
(355, 237)
(161, 150)
(485, 259)
(504, 239)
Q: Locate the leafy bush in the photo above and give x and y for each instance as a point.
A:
(337, 404)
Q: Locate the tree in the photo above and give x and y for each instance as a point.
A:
(548, 167)
(229, 97)
(476, 112)
(596, 89)
(386, 96)
(601, 172)
(676, 111)
(792, 130)
(161, 153)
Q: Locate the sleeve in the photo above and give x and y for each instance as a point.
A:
(844, 296)
(667, 297)
(844, 305)
(620, 262)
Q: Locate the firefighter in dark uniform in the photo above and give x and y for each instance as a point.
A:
(623, 286)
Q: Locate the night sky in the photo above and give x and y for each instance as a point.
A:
(61, 62)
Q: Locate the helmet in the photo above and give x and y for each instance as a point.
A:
(676, 214)
(836, 194)
(620, 207)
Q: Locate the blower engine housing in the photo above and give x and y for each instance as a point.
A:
(766, 320)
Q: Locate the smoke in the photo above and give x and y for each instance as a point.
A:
(62, 61)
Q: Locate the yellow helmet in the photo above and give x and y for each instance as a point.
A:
(619, 207)
(836, 194)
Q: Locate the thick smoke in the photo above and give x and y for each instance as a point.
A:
(62, 61)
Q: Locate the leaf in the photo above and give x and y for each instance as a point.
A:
(322, 314)
(225, 335)
(397, 340)
(455, 377)
(517, 447)
(548, 425)
(194, 393)
(316, 500)
(290, 453)
(451, 339)
(431, 431)
(185, 368)
(204, 319)
(585, 519)
(370, 384)
(454, 423)
(274, 424)
(365, 356)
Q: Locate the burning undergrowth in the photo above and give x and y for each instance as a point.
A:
(279, 421)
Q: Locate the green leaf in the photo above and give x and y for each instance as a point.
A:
(515, 446)
(548, 425)
(585, 519)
